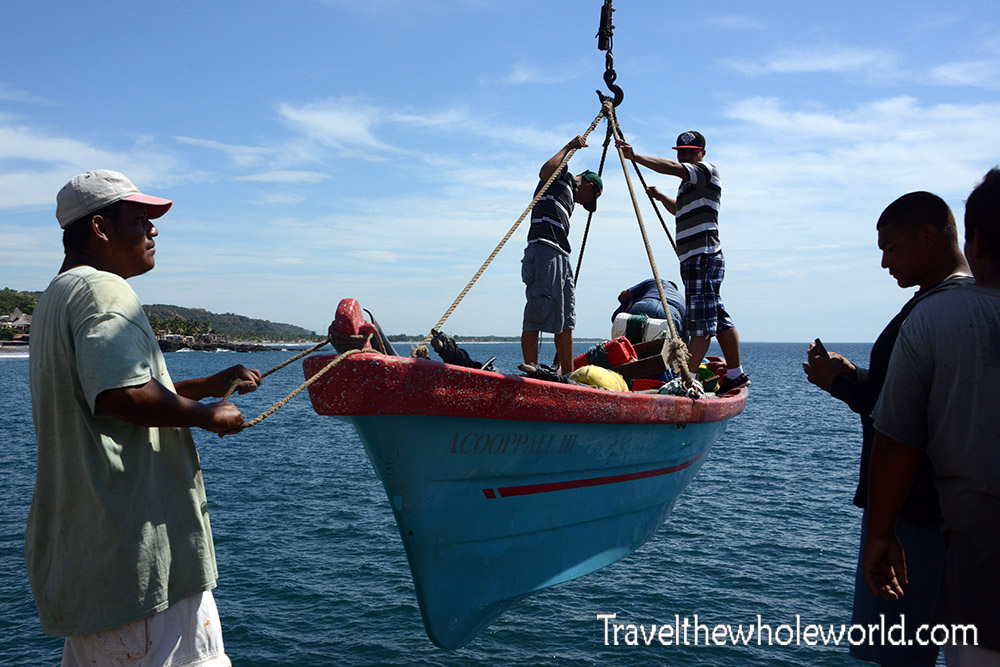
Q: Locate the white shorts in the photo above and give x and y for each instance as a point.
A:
(185, 634)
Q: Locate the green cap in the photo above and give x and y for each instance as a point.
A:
(592, 177)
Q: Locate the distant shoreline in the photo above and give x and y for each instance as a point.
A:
(7, 347)
(488, 339)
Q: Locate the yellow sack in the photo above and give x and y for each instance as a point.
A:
(596, 376)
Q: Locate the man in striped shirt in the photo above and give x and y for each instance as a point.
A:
(696, 211)
(545, 268)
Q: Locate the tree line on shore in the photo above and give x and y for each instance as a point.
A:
(185, 321)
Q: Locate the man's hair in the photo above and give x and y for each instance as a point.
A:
(76, 235)
(916, 209)
(982, 212)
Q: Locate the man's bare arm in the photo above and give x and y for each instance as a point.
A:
(668, 202)
(152, 404)
(891, 471)
(661, 165)
(553, 162)
(218, 384)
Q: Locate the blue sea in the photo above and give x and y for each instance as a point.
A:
(312, 570)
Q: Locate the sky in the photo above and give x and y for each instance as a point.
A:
(381, 149)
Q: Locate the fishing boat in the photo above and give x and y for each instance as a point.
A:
(505, 485)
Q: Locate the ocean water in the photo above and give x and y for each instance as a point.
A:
(312, 570)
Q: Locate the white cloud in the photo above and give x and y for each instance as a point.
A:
(243, 156)
(285, 176)
(354, 128)
(29, 249)
(872, 63)
(21, 142)
(379, 256)
(406, 11)
(876, 65)
(973, 73)
(14, 95)
(883, 126)
(280, 199)
(346, 123)
(738, 22)
(48, 161)
(446, 119)
(35, 187)
(522, 74)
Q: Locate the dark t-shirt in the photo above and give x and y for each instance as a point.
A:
(550, 215)
(862, 394)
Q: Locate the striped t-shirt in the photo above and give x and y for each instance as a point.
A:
(550, 215)
(697, 213)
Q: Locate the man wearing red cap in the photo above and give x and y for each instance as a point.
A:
(696, 211)
(118, 543)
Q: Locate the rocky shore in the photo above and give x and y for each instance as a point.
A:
(174, 346)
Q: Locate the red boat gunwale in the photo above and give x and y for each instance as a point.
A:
(373, 384)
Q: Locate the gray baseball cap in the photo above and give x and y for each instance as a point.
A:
(93, 190)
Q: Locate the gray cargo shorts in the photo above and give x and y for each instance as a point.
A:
(548, 280)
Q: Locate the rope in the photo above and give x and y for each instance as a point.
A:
(510, 233)
(645, 188)
(598, 356)
(280, 404)
(678, 351)
(635, 325)
(344, 342)
(237, 383)
(586, 232)
(590, 216)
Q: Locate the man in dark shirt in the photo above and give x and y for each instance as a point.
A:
(938, 403)
(545, 268)
(919, 243)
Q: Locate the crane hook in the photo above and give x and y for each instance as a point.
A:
(604, 43)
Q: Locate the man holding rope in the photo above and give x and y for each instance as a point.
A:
(545, 268)
(696, 210)
(118, 543)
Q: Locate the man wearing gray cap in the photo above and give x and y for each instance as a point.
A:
(118, 543)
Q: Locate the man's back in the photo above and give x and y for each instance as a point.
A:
(949, 369)
(939, 396)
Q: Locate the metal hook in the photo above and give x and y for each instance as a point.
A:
(604, 43)
(605, 29)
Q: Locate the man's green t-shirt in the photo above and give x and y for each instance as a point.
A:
(118, 528)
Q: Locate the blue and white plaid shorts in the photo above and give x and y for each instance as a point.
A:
(702, 275)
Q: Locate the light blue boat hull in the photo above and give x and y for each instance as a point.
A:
(491, 510)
